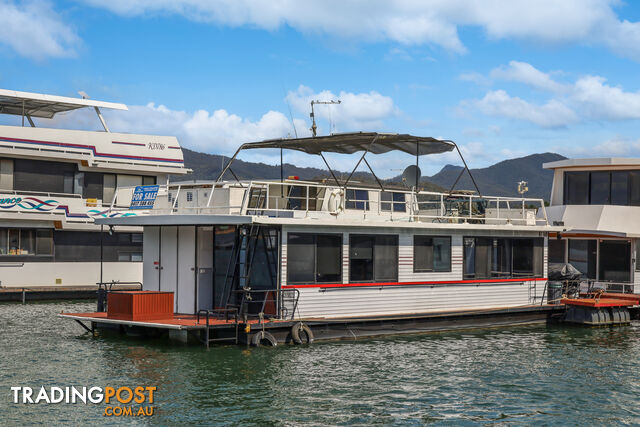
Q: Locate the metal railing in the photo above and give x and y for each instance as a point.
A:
(274, 303)
(305, 199)
(104, 288)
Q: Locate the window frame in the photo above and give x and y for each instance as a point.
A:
(315, 257)
(375, 278)
(416, 269)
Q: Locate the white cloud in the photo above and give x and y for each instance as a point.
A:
(616, 147)
(357, 111)
(217, 132)
(601, 101)
(413, 22)
(34, 30)
(589, 97)
(526, 73)
(499, 103)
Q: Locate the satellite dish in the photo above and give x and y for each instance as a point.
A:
(411, 176)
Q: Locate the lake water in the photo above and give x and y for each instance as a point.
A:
(519, 375)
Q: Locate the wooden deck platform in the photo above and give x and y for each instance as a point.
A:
(599, 302)
(177, 321)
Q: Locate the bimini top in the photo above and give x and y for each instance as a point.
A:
(349, 143)
(46, 106)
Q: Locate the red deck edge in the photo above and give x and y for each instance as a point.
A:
(597, 303)
(444, 282)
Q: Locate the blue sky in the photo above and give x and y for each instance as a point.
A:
(503, 79)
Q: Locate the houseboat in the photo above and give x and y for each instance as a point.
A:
(598, 202)
(54, 183)
(291, 261)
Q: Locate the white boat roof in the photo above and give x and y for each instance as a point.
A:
(46, 106)
(595, 162)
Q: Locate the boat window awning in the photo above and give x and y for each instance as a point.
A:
(46, 106)
(349, 143)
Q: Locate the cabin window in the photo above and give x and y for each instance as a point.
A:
(501, 258)
(392, 201)
(620, 188)
(576, 188)
(431, 254)
(556, 251)
(43, 176)
(189, 196)
(314, 258)
(373, 258)
(600, 188)
(637, 262)
(84, 246)
(583, 256)
(615, 261)
(25, 241)
(357, 199)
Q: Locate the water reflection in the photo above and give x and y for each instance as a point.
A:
(518, 375)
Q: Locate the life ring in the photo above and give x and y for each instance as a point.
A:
(301, 334)
(261, 338)
(335, 202)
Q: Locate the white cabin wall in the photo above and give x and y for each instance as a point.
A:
(35, 274)
(390, 300)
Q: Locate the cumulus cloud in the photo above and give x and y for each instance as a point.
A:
(499, 103)
(526, 73)
(357, 111)
(589, 97)
(221, 132)
(34, 30)
(413, 22)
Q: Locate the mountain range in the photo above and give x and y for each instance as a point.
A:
(500, 179)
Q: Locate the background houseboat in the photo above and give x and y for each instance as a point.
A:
(55, 182)
(339, 258)
(598, 202)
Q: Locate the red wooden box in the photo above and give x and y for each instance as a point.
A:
(139, 305)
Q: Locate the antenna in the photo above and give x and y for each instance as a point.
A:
(313, 116)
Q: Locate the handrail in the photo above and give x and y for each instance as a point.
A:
(260, 198)
(103, 290)
(281, 311)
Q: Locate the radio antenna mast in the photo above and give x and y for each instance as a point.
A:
(313, 116)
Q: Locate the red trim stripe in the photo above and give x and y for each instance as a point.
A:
(137, 144)
(443, 282)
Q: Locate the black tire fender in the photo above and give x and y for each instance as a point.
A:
(301, 334)
(261, 338)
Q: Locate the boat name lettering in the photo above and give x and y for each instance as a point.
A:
(10, 200)
(155, 146)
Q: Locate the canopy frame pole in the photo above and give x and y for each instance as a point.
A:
(30, 121)
(330, 170)
(104, 124)
(456, 182)
(466, 167)
(360, 161)
(374, 174)
(228, 165)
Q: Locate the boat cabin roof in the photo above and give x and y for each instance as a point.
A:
(46, 106)
(349, 143)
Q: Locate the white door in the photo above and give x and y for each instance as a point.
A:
(169, 259)
(186, 295)
(151, 259)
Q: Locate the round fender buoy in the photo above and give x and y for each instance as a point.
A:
(261, 338)
(301, 334)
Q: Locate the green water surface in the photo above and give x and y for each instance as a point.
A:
(522, 375)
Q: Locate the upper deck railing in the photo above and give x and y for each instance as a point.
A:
(299, 199)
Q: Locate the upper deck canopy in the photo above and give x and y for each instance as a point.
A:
(349, 143)
(46, 106)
